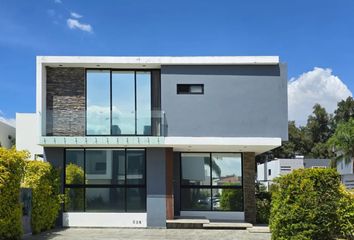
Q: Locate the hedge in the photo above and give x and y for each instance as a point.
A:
(46, 198)
(346, 214)
(263, 204)
(11, 173)
(305, 205)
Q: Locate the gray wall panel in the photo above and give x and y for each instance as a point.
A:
(156, 187)
(238, 101)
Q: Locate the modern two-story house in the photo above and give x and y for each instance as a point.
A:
(144, 139)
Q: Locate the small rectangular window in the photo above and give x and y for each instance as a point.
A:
(190, 88)
(269, 172)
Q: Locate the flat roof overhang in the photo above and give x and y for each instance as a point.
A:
(152, 61)
(182, 144)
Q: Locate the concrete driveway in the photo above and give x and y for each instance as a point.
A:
(148, 234)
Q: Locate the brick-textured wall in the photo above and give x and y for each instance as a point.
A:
(65, 101)
(249, 176)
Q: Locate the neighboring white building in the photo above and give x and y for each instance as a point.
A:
(27, 135)
(275, 168)
(267, 171)
(346, 170)
(7, 135)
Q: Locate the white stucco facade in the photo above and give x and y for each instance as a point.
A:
(272, 169)
(346, 170)
(7, 133)
(27, 134)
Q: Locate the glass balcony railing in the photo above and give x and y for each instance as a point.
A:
(104, 123)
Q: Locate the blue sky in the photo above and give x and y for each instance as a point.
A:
(305, 34)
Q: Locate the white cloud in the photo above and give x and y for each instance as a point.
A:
(75, 15)
(316, 86)
(58, 1)
(9, 121)
(75, 24)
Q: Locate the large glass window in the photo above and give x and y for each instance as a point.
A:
(118, 102)
(105, 180)
(196, 199)
(135, 166)
(105, 199)
(195, 168)
(123, 103)
(211, 181)
(143, 103)
(98, 113)
(74, 170)
(227, 169)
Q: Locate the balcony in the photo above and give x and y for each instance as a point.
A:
(101, 128)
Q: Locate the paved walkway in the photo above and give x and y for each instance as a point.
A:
(148, 234)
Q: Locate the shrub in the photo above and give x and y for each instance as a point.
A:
(263, 204)
(346, 214)
(45, 183)
(305, 205)
(11, 172)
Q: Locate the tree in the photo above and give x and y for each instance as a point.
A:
(342, 141)
(344, 111)
(311, 140)
(317, 132)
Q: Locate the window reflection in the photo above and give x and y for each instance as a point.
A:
(222, 191)
(226, 168)
(98, 115)
(136, 199)
(74, 169)
(124, 96)
(135, 166)
(105, 180)
(123, 103)
(143, 103)
(195, 199)
(105, 199)
(74, 199)
(195, 168)
(227, 199)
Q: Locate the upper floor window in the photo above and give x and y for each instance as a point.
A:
(190, 88)
(98, 102)
(118, 102)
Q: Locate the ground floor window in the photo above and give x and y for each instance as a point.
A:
(211, 182)
(105, 180)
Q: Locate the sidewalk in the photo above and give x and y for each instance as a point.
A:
(148, 234)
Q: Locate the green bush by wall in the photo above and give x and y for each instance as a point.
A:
(346, 214)
(45, 183)
(305, 205)
(11, 172)
(263, 204)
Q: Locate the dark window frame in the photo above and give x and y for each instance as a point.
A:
(211, 186)
(181, 85)
(125, 185)
(135, 96)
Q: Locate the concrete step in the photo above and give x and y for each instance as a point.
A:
(186, 223)
(227, 225)
(259, 229)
